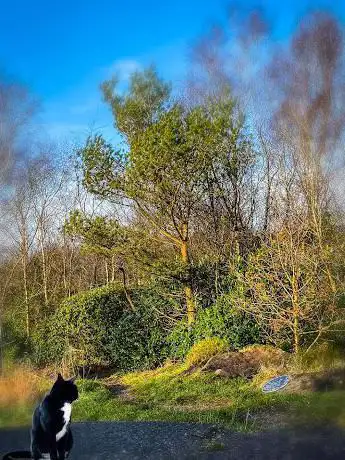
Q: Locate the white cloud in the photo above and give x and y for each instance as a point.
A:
(123, 68)
(80, 110)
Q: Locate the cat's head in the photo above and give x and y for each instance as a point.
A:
(65, 390)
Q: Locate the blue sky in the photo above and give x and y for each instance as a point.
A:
(62, 52)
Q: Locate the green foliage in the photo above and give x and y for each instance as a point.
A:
(102, 167)
(99, 234)
(138, 340)
(220, 320)
(134, 112)
(98, 327)
(15, 343)
(172, 162)
(179, 162)
(205, 349)
(82, 324)
(48, 342)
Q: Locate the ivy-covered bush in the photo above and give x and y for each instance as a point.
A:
(138, 339)
(220, 320)
(48, 342)
(99, 328)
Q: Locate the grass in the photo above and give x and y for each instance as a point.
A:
(206, 349)
(20, 389)
(318, 409)
(172, 394)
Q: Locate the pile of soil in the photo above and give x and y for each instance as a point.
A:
(245, 363)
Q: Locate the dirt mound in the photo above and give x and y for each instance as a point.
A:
(266, 354)
(245, 363)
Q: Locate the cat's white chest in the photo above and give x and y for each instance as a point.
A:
(67, 410)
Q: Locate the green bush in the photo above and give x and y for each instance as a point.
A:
(138, 340)
(204, 350)
(220, 320)
(47, 342)
(80, 327)
(15, 343)
(98, 328)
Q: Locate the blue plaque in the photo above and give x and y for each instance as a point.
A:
(276, 384)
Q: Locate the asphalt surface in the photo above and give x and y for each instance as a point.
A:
(151, 440)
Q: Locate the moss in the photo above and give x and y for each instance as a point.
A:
(206, 349)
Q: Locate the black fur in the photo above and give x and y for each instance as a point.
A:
(48, 421)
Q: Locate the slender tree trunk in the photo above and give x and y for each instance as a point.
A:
(64, 271)
(296, 314)
(296, 333)
(44, 269)
(95, 278)
(24, 258)
(112, 269)
(190, 301)
(106, 271)
(26, 294)
(124, 280)
(70, 271)
(216, 278)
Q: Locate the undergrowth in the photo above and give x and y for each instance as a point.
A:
(173, 393)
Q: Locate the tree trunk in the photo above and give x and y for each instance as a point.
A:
(26, 297)
(190, 301)
(44, 270)
(106, 272)
(64, 270)
(124, 281)
(70, 271)
(296, 313)
(296, 333)
(24, 257)
(112, 268)
(95, 279)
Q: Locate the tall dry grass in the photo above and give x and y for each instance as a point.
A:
(20, 385)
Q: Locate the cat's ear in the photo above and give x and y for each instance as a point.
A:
(59, 377)
(73, 379)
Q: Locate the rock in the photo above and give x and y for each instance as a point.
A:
(221, 373)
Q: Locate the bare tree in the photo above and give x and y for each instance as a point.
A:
(309, 122)
(16, 110)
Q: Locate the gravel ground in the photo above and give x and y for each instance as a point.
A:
(151, 440)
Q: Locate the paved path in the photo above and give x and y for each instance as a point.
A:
(150, 440)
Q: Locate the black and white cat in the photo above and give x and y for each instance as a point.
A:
(51, 435)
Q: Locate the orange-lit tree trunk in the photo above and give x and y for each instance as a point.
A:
(190, 301)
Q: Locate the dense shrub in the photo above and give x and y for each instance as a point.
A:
(80, 327)
(138, 340)
(15, 344)
(99, 328)
(204, 350)
(48, 342)
(220, 320)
